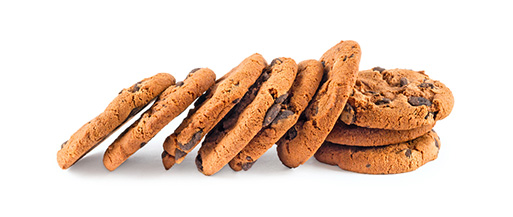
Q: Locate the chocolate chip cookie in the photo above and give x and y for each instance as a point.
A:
(282, 115)
(173, 101)
(397, 99)
(353, 135)
(390, 159)
(307, 135)
(258, 108)
(127, 104)
(210, 108)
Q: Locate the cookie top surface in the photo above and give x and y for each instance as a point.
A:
(308, 134)
(390, 159)
(397, 99)
(247, 118)
(127, 104)
(353, 135)
(211, 107)
(286, 113)
(173, 101)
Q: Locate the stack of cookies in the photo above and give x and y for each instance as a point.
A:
(375, 121)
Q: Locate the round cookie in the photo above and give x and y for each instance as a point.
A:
(397, 99)
(210, 108)
(303, 139)
(256, 109)
(173, 101)
(390, 159)
(353, 135)
(286, 114)
(127, 104)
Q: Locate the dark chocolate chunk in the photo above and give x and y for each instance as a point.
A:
(194, 70)
(143, 144)
(383, 101)
(403, 82)
(194, 140)
(283, 115)
(277, 60)
(281, 98)
(249, 158)
(199, 163)
(418, 101)
(235, 101)
(349, 114)
(368, 165)
(407, 153)
(164, 154)
(179, 84)
(379, 69)
(247, 166)
(323, 64)
(352, 55)
(371, 92)
(136, 87)
(179, 154)
(345, 58)
(271, 114)
(426, 85)
(436, 144)
(64, 143)
(291, 134)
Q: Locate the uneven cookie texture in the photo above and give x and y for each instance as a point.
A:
(286, 114)
(127, 104)
(390, 159)
(307, 135)
(397, 99)
(173, 101)
(353, 135)
(210, 108)
(256, 109)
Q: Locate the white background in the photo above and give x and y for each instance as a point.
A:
(61, 63)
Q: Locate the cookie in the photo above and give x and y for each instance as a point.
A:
(210, 108)
(390, 159)
(397, 99)
(353, 135)
(127, 104)
(307, 135)
(173, 101)
(286, 114)
(258, 108)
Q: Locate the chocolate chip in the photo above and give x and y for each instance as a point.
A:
(281, 98)
(194, 70)
(64, 143)
(179, 84)
(323, 64)
(315, 110)
(345, 58)
(194, 140)
(247, 166)
(291, 134)
(249, 158)
(371, 92)
(436, 144)
(368, 165)
(271, 114)
(426, 85)
(418, 101)
(143, 144)
(379, 69)
(348, 115)
(263, 77)
(179, 154)
(235, 101)
(136, 87)
(407, 153)
(283, 115)
(277, 60)
(383, 101)
(403, 82)
(201, 99)
(199, 163)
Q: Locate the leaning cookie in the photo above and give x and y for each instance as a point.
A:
(247, 118)
(397, 99)
(173, 101)
(127, 104)
(390, 159)
(282, 115)
(307, 135)
(353, 135)
(210, 108)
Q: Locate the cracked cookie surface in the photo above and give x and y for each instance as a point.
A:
(390, 159)
(173, 101)
(127, 104)
(396, 99)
